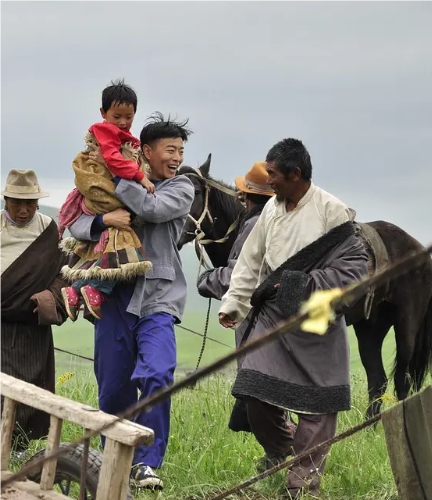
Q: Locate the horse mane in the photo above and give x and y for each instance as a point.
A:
(227, 204)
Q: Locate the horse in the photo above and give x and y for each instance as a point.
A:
(226, 210)
(404, 303)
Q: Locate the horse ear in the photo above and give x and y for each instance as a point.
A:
(205, 167)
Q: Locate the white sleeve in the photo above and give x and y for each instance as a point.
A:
(245, 275)
(338, 215)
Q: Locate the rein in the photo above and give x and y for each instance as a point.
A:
(200, 242)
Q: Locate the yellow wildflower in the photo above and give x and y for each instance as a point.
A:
(64, 378)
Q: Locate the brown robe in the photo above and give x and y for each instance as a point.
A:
(27, 349)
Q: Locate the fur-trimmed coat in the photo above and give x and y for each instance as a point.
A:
(302, 371)
(119, 254)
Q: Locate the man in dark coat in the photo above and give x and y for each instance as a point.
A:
(31, 301)
(304, 241)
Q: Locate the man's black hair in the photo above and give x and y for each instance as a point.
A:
(118, 93)
(290, 154)
(157, 127)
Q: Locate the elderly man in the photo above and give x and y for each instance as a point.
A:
(254, 192)
(30, 293)
(304, 241)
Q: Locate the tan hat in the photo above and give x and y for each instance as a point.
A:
(255, 180)
(24, 185)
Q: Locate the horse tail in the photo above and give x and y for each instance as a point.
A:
(421, 361)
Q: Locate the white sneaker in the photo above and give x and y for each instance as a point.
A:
(144, 476)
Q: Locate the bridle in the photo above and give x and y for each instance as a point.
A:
(206, 211)
(200, 240)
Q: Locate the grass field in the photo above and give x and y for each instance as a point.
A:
(78, 337)
(203, 455)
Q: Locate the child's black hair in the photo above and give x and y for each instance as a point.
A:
(118, 93)
(157, 127)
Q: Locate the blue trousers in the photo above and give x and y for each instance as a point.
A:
(135, 354)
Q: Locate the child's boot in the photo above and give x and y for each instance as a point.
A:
(93, 299)
(72, 302)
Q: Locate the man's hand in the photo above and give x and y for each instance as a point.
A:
(33, 299)
(226, 321)
(119, 218)
(97, 156)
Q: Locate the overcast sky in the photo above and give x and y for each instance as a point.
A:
(353, 81)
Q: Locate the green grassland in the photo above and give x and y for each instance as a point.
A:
(79, 338)
(203, 455)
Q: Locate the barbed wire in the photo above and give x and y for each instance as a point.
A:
(64, 351)
(201, 335)
(76, 355)
(412, 260)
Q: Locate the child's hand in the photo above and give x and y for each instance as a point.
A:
(148, 185)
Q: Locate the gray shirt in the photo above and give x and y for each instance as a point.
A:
(164, 214)
(215, 283)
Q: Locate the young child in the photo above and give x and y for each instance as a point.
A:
(94, 268)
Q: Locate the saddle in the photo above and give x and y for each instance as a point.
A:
(378, 260)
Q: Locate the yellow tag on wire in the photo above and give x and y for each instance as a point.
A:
(320, 310)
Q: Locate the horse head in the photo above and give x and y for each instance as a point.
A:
(198, 212)
(213, 211)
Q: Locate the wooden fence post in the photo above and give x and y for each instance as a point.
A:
(53, 443)
(7, 428)
(114, 476)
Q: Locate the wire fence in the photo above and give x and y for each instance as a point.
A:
(347, 297)
(86, 358)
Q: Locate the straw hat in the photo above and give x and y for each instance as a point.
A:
(24, 185)
(255, 180)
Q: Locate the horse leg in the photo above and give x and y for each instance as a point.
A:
(370, 336)
(407, 325)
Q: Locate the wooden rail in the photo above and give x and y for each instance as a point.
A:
(121, 439)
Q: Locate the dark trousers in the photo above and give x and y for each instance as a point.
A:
(279, 437)
(135, 354)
